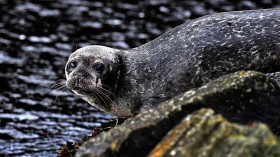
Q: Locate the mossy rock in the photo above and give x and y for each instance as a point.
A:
(204, 134)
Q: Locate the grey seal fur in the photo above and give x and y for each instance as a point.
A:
(183, 58)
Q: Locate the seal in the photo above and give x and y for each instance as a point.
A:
(126, 82)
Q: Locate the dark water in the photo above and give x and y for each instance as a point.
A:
(37, 36)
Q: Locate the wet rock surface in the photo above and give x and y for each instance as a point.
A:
(36, 37)
(205, 134)
(242, 97)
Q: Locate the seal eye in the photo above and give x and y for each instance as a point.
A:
(98, 67)
(73, 64)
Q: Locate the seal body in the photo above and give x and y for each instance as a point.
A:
(191, 55)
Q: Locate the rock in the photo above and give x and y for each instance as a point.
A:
(241, 97)
(203, 134)
(275, 76)
(71, 147)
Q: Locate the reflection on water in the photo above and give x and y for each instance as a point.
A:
(36, 37)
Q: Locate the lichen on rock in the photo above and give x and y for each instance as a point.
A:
(203, 134)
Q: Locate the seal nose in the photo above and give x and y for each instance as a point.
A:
(82, 75)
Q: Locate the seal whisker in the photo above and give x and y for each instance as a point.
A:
(57, 85)
(60, 80)
(100, 95)
(61, 89)
(104, 93)
(109, 88)
(108, 91)
(106, 86)
(92, 92)
(58, 88)
(104, 96)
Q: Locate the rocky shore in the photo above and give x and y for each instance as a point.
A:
(38, 36)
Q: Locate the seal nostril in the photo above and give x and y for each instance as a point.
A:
(82, 74)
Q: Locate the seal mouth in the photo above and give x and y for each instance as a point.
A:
(81, 90)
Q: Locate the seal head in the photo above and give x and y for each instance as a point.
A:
(92, 73)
